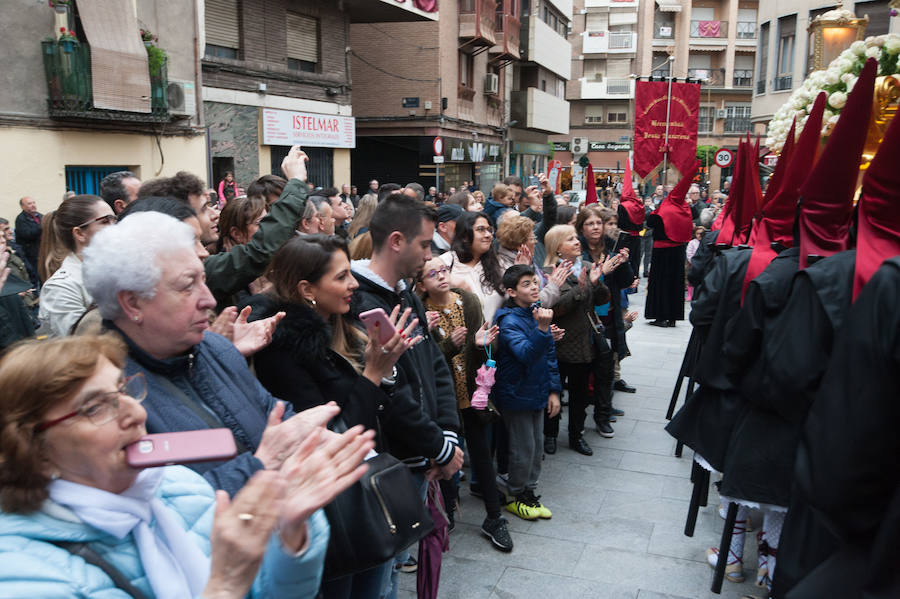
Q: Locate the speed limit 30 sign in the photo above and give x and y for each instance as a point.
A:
(724, 158)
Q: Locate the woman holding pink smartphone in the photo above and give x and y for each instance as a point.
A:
(317, 355)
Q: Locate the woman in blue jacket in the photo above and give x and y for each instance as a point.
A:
(66, 418)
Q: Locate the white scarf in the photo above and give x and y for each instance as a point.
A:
(174, 565)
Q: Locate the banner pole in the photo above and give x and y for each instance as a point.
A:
(668, 111)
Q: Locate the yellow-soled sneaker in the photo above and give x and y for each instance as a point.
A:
(523, 509)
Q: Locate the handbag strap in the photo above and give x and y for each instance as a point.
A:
(200, 410)
(84, 551)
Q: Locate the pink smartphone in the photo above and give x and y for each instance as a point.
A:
(377, 323)
(165, 449)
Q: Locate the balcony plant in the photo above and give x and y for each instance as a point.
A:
(67, 39)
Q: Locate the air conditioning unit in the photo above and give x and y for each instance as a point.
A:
(182, 98)
(491, 83)
(721, 113)
(579, 145)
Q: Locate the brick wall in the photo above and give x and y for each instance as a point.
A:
(420, 50)
(264, 53)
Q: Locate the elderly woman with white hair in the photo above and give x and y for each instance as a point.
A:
(149, 286)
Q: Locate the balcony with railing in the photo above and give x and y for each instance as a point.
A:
(507, 29)
(782, 83)
(608, 42)
(67, 68)
(607, 89)
(709, 30)
(476, 22)
(708, 77)
(540, 111)
(743, 78)
(603, 5)
(660, 73)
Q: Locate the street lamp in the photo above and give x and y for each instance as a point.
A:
(832, 33)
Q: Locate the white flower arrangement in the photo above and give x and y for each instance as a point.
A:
(837, 81)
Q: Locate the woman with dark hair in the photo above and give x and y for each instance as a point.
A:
(316, 355)
(566, 215)
(67, 231)
(473, 261)
(239, 221)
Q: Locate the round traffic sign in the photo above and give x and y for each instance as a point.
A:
(724, 158)
(438, 146)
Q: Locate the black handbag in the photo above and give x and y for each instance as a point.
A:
(598, 333)
(375, 519)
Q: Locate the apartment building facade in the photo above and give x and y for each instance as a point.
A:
(539, 109)
(449, 79)
(785, 47)
(713, 42)
(75, 107)
(277, 73)
(604, 39)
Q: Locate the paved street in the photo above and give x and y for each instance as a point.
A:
(618, 515)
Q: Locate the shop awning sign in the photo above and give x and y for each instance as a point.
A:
(609, 146)
(288, 128)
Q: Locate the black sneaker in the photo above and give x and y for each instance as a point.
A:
(550, 445)
(605, 430)
(495, 529)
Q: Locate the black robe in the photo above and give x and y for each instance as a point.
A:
(705, 421)
(760, 458)
(665, 287)
(796, 353)
(630, 238)
(847, 469)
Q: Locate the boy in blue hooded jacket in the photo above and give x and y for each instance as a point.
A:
(526, 384)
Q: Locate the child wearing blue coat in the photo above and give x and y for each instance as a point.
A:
(526, 384)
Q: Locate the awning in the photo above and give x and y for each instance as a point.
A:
(120, 75)
(669, 5)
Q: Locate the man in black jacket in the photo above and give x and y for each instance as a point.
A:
(28, 230)
(421, 423)
(425, 439)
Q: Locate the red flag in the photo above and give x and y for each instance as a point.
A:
(590, 184)
(650, 102)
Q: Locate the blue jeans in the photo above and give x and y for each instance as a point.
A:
(391, 582)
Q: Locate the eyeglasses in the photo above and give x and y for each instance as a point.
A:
(106, 219)
(103, 407)
(484, 229)
(431, 274)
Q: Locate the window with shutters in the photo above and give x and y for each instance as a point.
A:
(763, 54)
(879, 13)
(302, 42)
(785, 68)
(223, 31)
(617, 113)
(593, 115)
(596, 21)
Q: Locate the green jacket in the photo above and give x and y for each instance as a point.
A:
(234, 270)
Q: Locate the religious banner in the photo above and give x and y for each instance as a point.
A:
(650, 102)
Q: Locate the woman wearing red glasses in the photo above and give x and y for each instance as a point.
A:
(67, 231)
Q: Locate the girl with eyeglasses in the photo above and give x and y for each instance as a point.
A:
(67, 231)
(462, 334)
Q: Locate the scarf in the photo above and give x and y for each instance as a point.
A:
(173, 563)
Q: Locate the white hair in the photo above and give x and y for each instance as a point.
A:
(127, 257)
